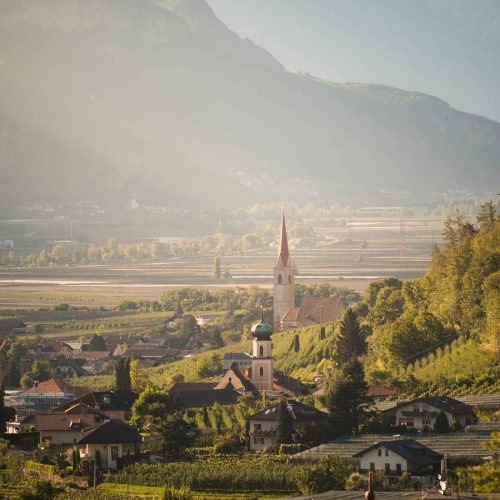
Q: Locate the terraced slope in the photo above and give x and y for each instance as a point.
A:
(454, 445)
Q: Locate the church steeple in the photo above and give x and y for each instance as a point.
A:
(284, 287)
(283, 253)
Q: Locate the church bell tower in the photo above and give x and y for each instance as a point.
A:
(284, 282)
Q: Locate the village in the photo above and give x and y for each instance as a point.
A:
(404, 444)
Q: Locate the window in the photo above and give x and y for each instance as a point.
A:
(386, 453)
(114, 453)
(262, 350)
(254, 440)
(257, 427)
(398, 467)
(280, 279)
(261, 371)
(379, 452)
(387, 468)
(372, 465)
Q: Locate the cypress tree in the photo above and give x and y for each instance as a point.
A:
(296, 343)
(441, 424)
(346, 397)
(123, 381)
(350, 342)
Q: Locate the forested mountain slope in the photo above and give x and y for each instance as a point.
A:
(100, 99)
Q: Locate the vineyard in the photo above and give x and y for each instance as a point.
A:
(251, 473)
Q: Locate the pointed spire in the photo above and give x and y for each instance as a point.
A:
(283, 253)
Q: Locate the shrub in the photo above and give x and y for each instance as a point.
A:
(182, 493)
(290, 449)
(356, 482)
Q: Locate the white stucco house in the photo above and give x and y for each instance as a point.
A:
(115, 442)
(263, 425)
(398, 456)
(422, 412)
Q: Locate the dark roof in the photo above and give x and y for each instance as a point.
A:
(444, 403)
(299, 412)
(237, 355)
(201, 398)
(291, 384)
(179, 387)
(105, 400)
(112, 432)
(409, 449)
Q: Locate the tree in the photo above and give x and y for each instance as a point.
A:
(122, 375)
(441, 424)
(97, 343)
(151, 408)
(296, 343)
(350, 342)
(486, 216)
(40, 370)
(138, 376)
(346, 398)
(174, 435)
(285, 424)
(485, 476)
(217, 269)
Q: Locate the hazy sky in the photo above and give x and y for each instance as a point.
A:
(447, 48)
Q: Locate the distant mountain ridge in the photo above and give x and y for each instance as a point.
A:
(102, 98)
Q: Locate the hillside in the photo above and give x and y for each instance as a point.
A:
(102, 99)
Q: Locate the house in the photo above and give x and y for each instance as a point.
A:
(205, 319)
(93, 361)
(20, 328)
(69, 367)
(64, 428)
(238, 380)
(288, 386)
(242, 359)
(115, 404)
(423, 411)
(312, 310)
(397, 456)
(180, 387)
(264, 423)
(21, 423)
(115, 441)
(46, 395)
(379, 393)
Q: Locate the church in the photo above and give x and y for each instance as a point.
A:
(286, 314)
(254, 374)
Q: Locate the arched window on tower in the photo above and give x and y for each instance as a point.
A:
(261, 371)
(280, 279)
(262, 350)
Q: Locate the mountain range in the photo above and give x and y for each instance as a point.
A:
(100, 99)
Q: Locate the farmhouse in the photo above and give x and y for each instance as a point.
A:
(397, 456)
(423, 411)
(264, 424)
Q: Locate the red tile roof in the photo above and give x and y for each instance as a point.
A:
(321, 309)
